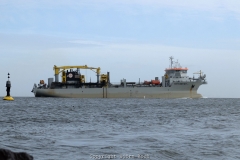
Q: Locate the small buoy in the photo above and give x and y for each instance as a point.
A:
(8, 85)
(8, 98)
(144, 97)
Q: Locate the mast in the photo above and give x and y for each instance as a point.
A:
(171, 58)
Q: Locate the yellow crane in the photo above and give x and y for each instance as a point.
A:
(62, 69)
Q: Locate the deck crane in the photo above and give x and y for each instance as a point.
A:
(58, 70)
(202, 76)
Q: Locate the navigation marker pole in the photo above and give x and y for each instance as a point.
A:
(8, 85)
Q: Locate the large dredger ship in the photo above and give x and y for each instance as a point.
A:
(175, 83)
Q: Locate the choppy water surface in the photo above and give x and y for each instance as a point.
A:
(76, 129)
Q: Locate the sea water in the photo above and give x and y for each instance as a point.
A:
(79, 129)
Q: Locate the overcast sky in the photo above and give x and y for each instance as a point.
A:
(130, 39)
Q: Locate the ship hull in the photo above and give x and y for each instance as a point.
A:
(175, 91)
